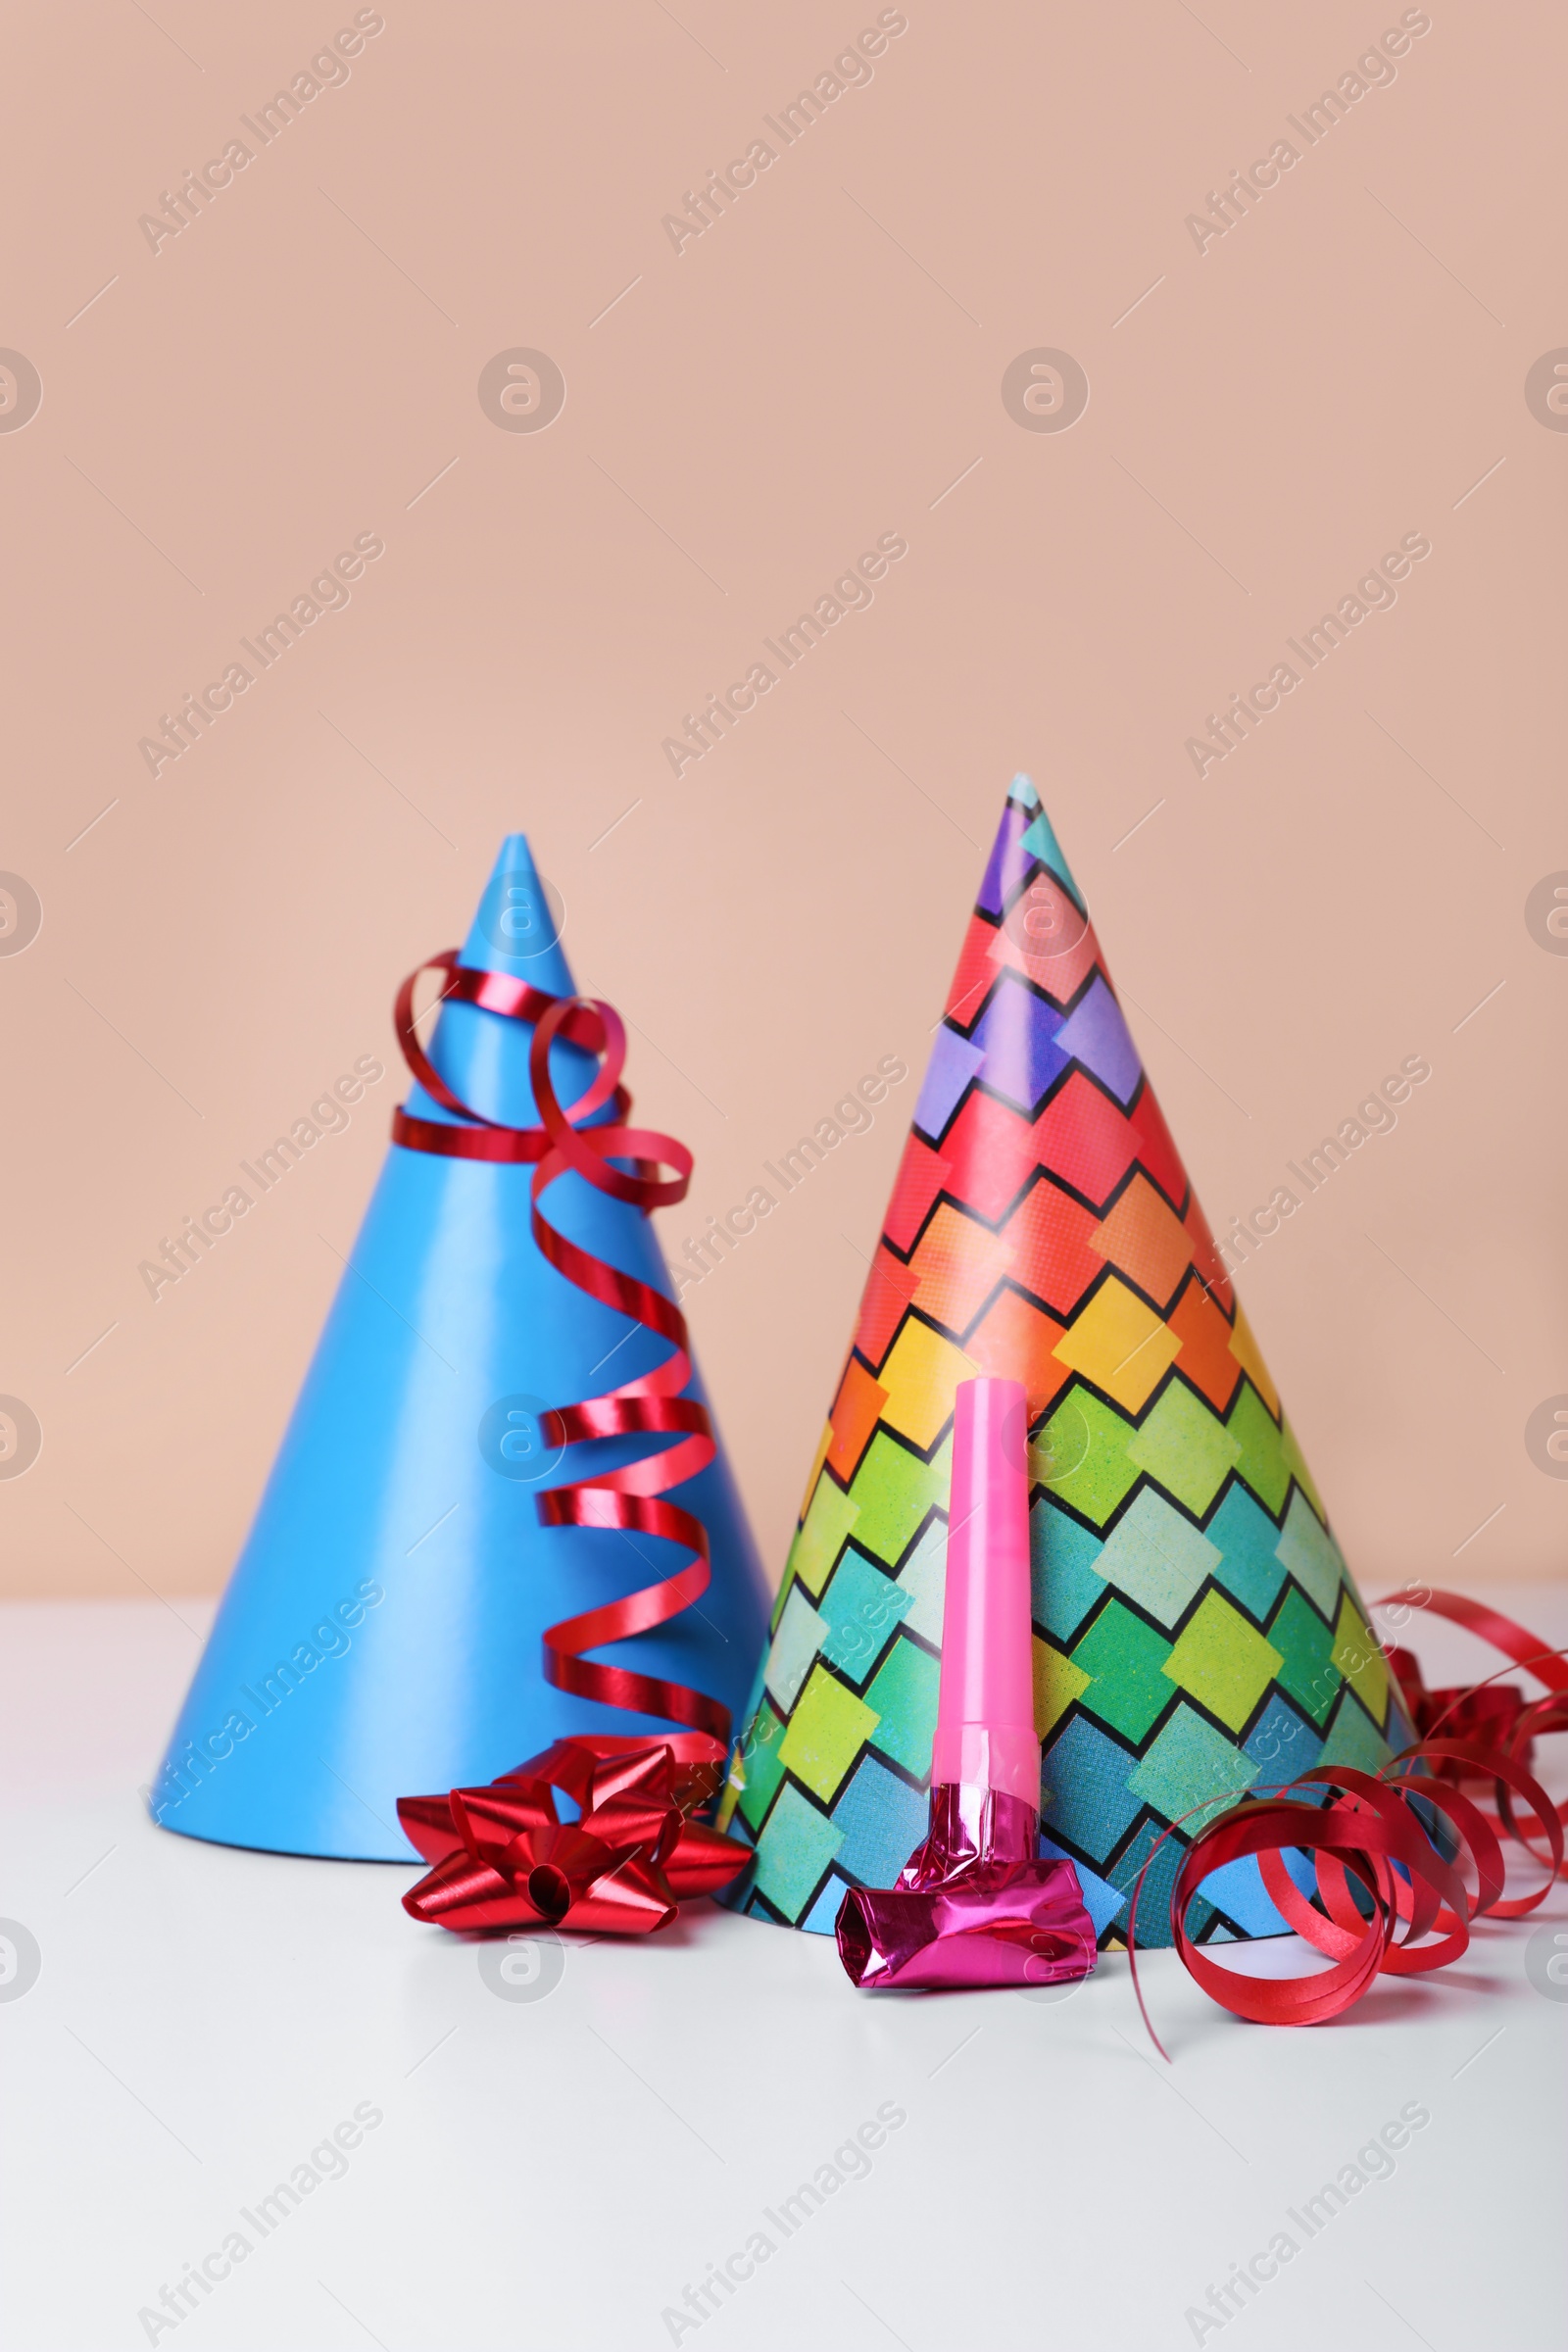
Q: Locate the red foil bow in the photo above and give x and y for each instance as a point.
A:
(503, 1858)
(1393, 1855)
(1485, 1717)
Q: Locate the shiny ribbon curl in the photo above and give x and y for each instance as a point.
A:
(503, 1858)
(1372, 1831)
(633, 1499)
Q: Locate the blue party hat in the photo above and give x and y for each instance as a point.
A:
(382, 1633)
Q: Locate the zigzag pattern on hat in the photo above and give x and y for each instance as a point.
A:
(1196, 1632)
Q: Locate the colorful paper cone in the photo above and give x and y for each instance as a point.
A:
(1197, 1634)
(381, 1631)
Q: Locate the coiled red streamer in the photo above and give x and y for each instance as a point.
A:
(632, 1499)
(1372, 1830)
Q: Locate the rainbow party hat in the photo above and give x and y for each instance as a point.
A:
(1195, 1632)
(382, 1631)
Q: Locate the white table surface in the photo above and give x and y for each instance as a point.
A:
(558, 2170)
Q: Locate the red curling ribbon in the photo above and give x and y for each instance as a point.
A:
(503, 1858)
(492, 992)
(1416, 1908)
(632, 1500)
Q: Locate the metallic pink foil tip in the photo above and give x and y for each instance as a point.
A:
(974, 1905)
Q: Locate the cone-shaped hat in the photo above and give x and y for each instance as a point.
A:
(1196, 1631)
(381, 1631)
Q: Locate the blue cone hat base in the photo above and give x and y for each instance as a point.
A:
(382, 1633)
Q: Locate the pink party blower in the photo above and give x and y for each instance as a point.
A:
(976, 1904)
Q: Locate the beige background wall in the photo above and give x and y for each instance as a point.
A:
(1266, 416)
